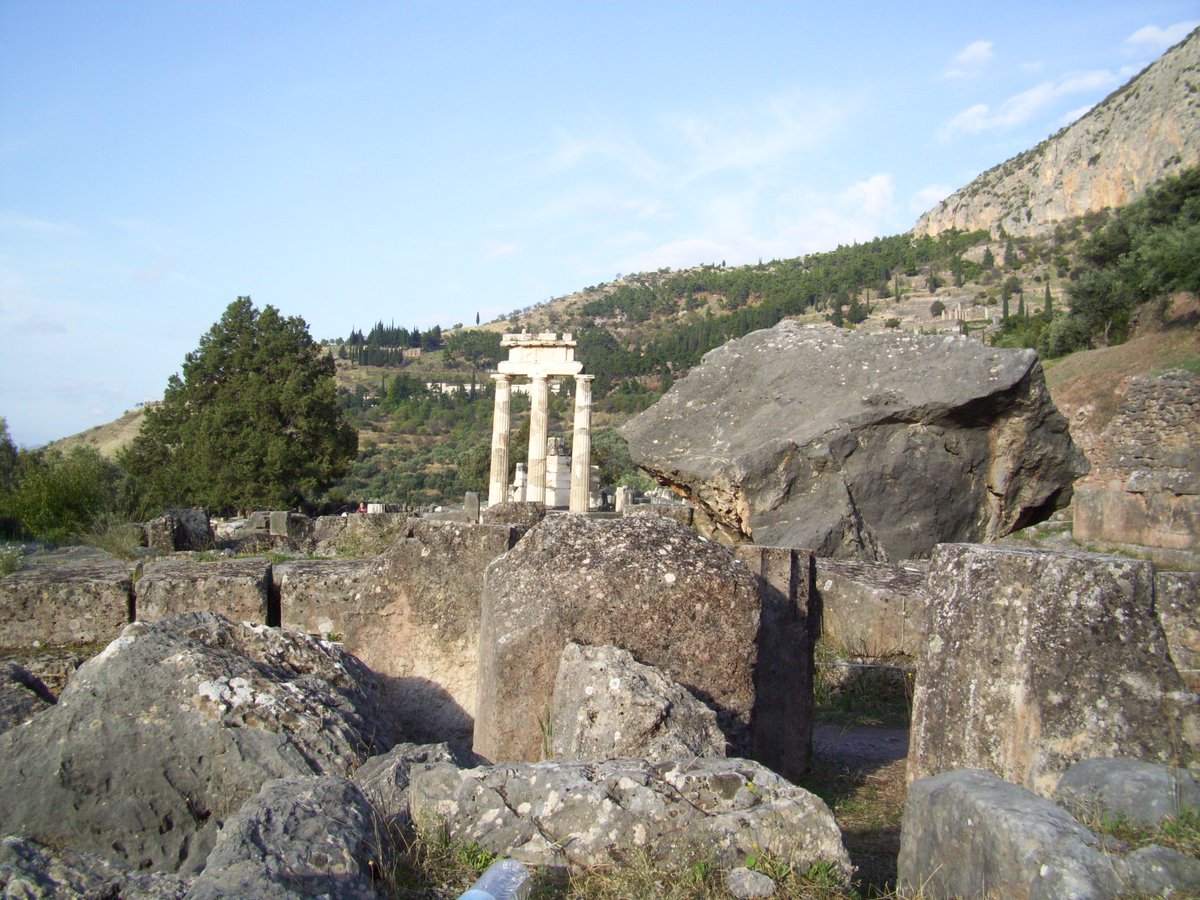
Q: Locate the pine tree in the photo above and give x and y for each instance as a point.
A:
(1049, 308)
(252, 423)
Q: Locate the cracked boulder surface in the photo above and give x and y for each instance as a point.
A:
(161, 737)
(588, 814)
(870, 446)
(607, 705)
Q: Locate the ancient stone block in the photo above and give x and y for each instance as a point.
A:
(875, 446)
(236, 588)
(180, 529)
(514, 512)
(22, 695)
(321, 596)
(1036, 660)
(1177, 600)
(357, 535)
(586, 814)
(1128, 789)
(297, 837)
(73, 596)
(676, 511)
(607, 705)
(644, 584)
(967, 833)
(385, 778)
(870, 609)
(1144, 487)
(783, 671)
(412, 615)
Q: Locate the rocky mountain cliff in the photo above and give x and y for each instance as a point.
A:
(1145, 131)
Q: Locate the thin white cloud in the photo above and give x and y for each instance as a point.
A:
(15, 221)
(1022, 107)
(499, 250)
(975, 53)
(738, 138)
(968, 61)
(872, 198)
(927, 197)
(602, 143)
(1152, 37)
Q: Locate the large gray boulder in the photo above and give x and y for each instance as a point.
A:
(588, 814)
(607, 705)
(22, 695)
(644, 584)
(298, 837)
(875, 446)
(385, 778)
(156, 741)
(967, 833)
(1036, 660)
(30, 870)
(1131, 790)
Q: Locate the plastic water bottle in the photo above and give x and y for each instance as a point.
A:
(505, 879)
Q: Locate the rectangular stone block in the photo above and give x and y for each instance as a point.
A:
(324, 596)
(1177, 601)
(870, 609)
(236, 588)
(73, 596)
(1035, 660)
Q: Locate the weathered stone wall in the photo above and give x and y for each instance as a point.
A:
(1145, 483)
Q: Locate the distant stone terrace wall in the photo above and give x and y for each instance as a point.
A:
(1145, 484)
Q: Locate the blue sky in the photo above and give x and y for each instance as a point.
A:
(424, 162)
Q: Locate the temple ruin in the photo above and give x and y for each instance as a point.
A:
(540, 358)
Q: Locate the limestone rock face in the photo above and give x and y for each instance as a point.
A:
(871, 609)
(298, 837)
(22, 695)
(875, 446)
(1035, 660)
(31, 870)
(1177, 599)
(155, 742)
(1141, 133)
(607, 705)
(588, 814)
(644, 584)
(412, 615)
(385, 778)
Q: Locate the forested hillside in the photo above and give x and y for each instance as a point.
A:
(422, 401)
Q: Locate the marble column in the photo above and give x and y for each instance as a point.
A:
(539, 399)
(581, 446)
(501, 422)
